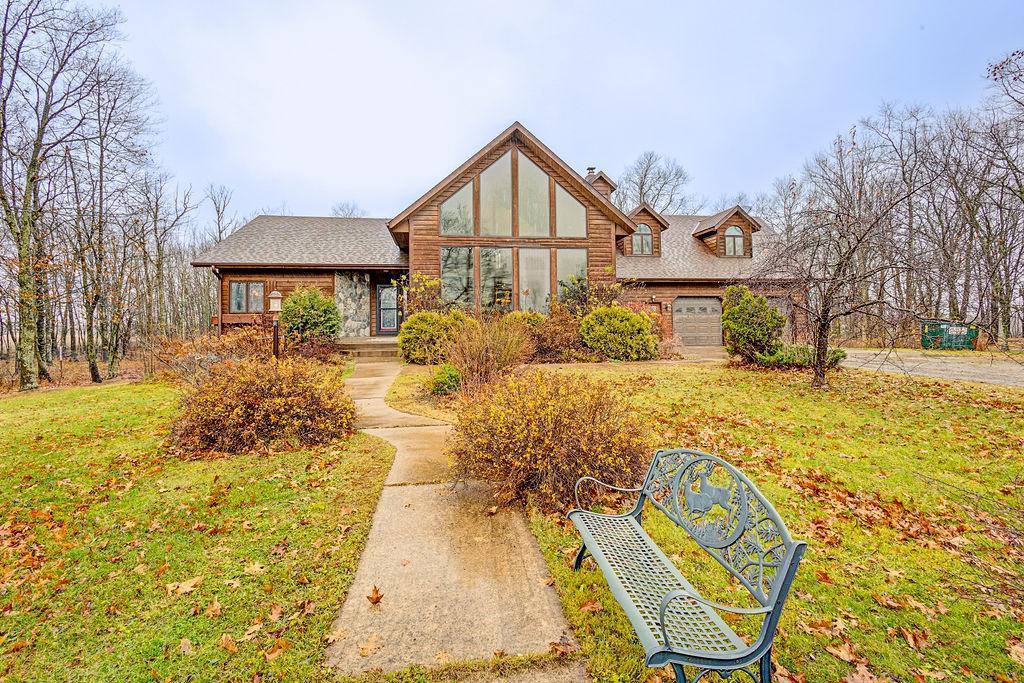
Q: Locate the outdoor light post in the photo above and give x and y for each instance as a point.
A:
(275, 310)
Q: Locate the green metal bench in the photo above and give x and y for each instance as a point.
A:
(729, 518)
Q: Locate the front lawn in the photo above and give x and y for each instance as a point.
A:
(850, 470)
(118, 562)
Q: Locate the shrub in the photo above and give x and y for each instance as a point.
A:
(581, 296)
(483, 352)
(797, 356)
(535, 433)
(191, 360)
(422, 293)
(530, 319)
(254, 404)
(618, 333)
(751, 326)
(446, 380)
(425, 336)
(558, 339)
(308, 313)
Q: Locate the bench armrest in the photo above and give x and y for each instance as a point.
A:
(576, 489)
(683, 593)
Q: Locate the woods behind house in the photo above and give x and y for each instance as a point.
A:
(913, 214)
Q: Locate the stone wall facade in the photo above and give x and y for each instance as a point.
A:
(352, 295)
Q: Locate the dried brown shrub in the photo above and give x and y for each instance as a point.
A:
(255, 404)
(482, 353)
(536, 432)
(191, 360)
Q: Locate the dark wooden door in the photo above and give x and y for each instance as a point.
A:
(388, 313)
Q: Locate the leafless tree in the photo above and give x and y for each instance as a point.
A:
(659, 181)
(347, 210)
(224, 222)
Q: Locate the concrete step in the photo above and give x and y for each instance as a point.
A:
(371, 347)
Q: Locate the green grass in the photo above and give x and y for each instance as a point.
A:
(96, 521)
(850, 471)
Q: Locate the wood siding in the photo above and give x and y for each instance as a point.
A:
(281, 279)
(645, 217)
(716, 240)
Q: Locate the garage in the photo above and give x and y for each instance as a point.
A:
(697, 320)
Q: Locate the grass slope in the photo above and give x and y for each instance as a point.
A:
(97, 526)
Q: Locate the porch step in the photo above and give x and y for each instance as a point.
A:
(371, 347)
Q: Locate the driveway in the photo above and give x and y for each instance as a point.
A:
(992, 368)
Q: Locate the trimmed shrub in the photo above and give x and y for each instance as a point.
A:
(307, 313)
(751, 326)
(483, 352)
(535, 433)
(254, 404)
(425, 336)
(797, 356)
(446, 380)
(581, 296)
(530, 319)
(620, 334)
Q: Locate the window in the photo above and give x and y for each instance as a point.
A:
(534, 200)
(570, 215)
(496, 279)
(534, 279)
(734, 241)
(643, 243)
(496, 197)
(570, 263)
(457, 212)
(246, 297)
(457, 275)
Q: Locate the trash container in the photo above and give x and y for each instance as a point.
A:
(944, 334)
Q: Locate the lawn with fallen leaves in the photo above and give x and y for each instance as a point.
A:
(882, 593)
(120, 562)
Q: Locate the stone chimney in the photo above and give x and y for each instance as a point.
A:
(600, 181)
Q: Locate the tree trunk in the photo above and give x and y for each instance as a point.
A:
(821, 334)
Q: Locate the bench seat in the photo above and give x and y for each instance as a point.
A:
(640, 575)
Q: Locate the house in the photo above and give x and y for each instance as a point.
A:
(501, 231)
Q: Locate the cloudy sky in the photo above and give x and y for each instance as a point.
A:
(297, 105)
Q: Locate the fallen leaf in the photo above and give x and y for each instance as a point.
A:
(370, 646)
(250, 632)
(860, 675)
(1015, 648)
(591, 606)
(375, 596)
(141, 568)
(255, 568)
(214, 608)
(564, 645)
(887, 601)
(279, 646)
(493, 510)
(185, 646)
(443, 657)
(845, 651)
(228, 643)
(232, 583)
(183, 587)
(336, 635)
(276, 612)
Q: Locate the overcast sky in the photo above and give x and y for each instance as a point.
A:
(297, 105)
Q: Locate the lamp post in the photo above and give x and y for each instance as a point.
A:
(275, 310)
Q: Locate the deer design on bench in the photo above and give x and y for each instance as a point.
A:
(674, 623)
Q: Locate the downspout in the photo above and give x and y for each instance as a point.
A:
(220, 304)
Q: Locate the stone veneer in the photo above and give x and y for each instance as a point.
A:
(352, 295)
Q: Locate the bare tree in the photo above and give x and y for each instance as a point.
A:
(347, 210)
(224, 224)
(659, 181)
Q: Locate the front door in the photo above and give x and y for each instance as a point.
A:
(387, 309)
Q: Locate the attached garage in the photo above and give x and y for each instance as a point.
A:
(697, 320)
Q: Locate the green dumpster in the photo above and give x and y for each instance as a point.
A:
(943, 334)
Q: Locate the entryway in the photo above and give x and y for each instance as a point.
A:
(388, 312)
(697, 320)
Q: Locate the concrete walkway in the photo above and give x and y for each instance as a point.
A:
(993, 368)
(459, 582)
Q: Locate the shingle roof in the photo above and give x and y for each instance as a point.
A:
(685, 257)
(307, 241)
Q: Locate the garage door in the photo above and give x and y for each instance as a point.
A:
(697, 321)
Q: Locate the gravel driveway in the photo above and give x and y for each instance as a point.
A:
(993, 368)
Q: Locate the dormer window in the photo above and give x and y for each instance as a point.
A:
(643, 243)
(734, 241)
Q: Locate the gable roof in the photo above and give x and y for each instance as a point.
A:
(307, 241)
(649, 209)
(685, 257)
(519, 133)
(711, 223)
(601, 175)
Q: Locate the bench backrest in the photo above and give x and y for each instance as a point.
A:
(727, 516)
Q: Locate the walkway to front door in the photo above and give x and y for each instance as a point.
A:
(459, 583)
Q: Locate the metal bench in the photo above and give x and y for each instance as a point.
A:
(727, 517)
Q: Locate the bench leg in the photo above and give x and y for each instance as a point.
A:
(580, 556)
(766, 667)
(680, 673)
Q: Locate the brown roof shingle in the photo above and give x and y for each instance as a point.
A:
(310, 241)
